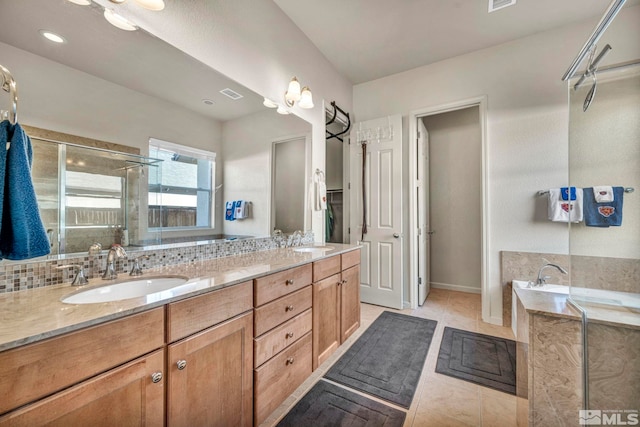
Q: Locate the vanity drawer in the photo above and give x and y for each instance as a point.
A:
(279, 377)
(271, 315)
(39, 369)
(200, 312)
(350, 259)
(276, 285)
(281, 337)
(326, 267)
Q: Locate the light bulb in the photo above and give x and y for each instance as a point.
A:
(293, 92)
(118, 21)
(52, 36)
(306, 98)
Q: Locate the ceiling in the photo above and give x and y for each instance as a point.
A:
(370, 39)
(135, 60)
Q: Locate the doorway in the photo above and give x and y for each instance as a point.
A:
(448, 210)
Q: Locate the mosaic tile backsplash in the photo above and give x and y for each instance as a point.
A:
(35, 274)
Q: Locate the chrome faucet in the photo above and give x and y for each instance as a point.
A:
(543, 279)
(295, 239)
(116, 251)
(136, 270)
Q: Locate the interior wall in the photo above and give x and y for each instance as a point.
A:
(605, 150)
(455, 199)
(246, 153)
(526, 131)
(257, 45)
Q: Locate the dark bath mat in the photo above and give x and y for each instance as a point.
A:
(478, 358)
(327, 405)
(387, 360)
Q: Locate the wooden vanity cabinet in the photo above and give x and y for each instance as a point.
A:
(94, 376)
(124, 396)
(336, 303)
(283, 337)
(210, 372)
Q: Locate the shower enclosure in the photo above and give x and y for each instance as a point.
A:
(604, 150)
(89, 195)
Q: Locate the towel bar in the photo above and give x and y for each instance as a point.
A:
(626, 190)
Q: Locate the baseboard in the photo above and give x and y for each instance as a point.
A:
(457, 288)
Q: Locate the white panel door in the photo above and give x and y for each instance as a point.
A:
(381, 263)
(424, 233)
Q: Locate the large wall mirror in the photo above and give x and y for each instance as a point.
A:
(125, 87)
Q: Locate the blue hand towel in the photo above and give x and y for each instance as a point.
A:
(22, 234)
(603, 214)
(568, 193)
(5, 126)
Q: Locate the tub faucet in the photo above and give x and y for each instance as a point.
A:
(543, 279)
(116, 251)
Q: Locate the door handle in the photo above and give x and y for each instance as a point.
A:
(396, 235)
(430, 232)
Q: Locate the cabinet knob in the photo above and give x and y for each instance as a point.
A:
(289, 335)
(343, 281)
(339, 283)
(156, 377)
(181, 364)
(289, 308)
(289, 282)
(290, 360)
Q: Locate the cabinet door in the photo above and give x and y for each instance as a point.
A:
(210, 376)
(326, 318)
(124, 396)
(350, 302)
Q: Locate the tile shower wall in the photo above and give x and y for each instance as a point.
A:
(36, 274)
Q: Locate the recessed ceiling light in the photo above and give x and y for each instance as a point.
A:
(52, 36)
(208, 102)
(81, 2)
(118, 21)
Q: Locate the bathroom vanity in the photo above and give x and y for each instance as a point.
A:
(224, 349)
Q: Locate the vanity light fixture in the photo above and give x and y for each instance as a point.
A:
(294, 94)
(269, 103)
(118, 21)
(282, 110)
(56, 38)
(147, 4)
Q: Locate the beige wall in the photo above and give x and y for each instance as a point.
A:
(247, 156)
(455, 195)
(527, 127)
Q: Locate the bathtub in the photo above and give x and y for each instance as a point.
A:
(597, 296)
(580, 295)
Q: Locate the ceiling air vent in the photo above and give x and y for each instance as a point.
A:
(500, 4)
(231, 94)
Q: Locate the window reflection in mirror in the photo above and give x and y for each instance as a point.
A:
(183, 196)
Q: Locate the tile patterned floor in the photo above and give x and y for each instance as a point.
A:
(440, 401)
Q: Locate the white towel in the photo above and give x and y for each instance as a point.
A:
(564, 210)
(322, 196)
(241, 209)
(603, 194)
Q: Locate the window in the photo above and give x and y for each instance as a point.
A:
(182, 195)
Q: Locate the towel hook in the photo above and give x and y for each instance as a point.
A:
(9, 85)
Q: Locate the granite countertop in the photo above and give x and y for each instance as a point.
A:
(556, 304)
(36, 314)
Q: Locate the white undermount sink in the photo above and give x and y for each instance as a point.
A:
(134, 288)
(314, 249)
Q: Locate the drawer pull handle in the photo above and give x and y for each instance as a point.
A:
(343, 281)
(156, 377)
(289, 335)
(181, 364)
(339, 283)
(289, 282)
(290, 360)
(289, 308)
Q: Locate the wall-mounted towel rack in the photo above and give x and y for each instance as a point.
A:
(626, 190)
(9, 85)
(337, 109)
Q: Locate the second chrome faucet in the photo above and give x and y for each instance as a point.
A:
(116, 251)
